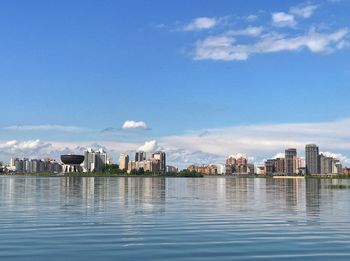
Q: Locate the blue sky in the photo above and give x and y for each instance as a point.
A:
(70, 69)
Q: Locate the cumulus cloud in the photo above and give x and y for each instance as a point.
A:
(23, 147)
(282, 19)
(201, 23)
(45, 127)
(148, 146)
(339, 156)
(53, 149)
(226, 48)
(134, 125)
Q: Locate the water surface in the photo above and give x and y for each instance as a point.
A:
(72, 218)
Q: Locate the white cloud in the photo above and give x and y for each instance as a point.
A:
(227, 49)
(182, 158)
(263, 140)
(238, 155)
(249, 31)
(343, 44)
(303, 11)
(251, 18)
(29, 146)
(220, 48)
(148, 146)
(53, 149)
(257, 142)
(201, 23)
(134, 125)
(315, 42)
(279, 155)
(282, 19)
(45, 127)
(344, 159)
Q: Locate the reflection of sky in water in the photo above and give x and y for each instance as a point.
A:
(157, 218)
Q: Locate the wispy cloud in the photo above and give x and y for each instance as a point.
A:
(251, 18)
(45, 127)
(256, 141)
(241, 43)
(282, 19)
(304, 11)
(201, 23)
(249, 31)
(226, 48)
(264, 140)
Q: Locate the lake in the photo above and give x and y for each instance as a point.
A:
(128, 218)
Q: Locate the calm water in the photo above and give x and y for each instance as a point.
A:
(173, 218)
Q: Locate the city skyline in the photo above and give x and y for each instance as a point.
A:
(207, 81)
(312, 162)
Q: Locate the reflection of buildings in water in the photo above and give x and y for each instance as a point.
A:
(239, 191)
(313, 196)
(286, 194)
(221, 189)
(142, 193)
(28, 191)
(291, 195)
(318, 195)
(8, 191)
(88, 194)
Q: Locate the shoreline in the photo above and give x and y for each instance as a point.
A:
(198, 175)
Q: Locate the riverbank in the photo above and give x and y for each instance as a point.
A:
(102, 174)
(180, 175)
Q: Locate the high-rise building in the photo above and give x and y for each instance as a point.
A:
(94, 161)
(280, 165)
(337, 167)
(242, 165)
(101, 160)
(155, 165)
(231, 161)
(17, 164)
(326, 164)
(270, 167)
(123, 161)
(312, 159)
(140, 156)
(171, 169)
(26, 165)
(251, 168)
(131, 165)
(291, 161)
(230, 166)
(161, 156)
(89, 160)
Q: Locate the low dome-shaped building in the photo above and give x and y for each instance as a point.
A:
(72, 162)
